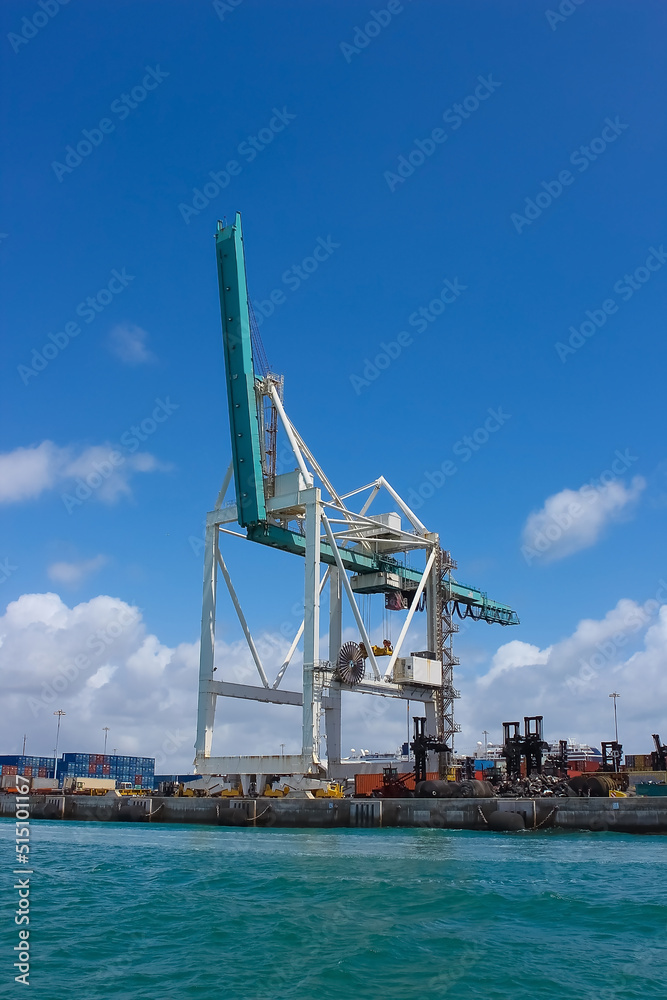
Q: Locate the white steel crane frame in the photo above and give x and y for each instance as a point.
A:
(322, 518)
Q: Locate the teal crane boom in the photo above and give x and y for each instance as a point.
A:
(249, 473)
(240, 373)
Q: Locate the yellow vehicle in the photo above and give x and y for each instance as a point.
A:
(127, 788)
(334, 790)
(232, 793)
(276, 793)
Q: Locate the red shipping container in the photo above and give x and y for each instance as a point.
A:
(137, 779)
(27, 771)
(91, 769)
(106, 769)
(41, 772)
(9, 769)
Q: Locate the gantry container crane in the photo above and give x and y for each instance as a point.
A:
(301, 513)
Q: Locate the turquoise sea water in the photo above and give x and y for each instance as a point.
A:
(162, 912)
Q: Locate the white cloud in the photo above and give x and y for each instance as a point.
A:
(128, 342)
(569, 682)
(74, 572)
(27, 473)
(511, 656)
(98, 663)
(575, 519)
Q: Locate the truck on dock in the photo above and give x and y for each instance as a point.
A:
(88, 786)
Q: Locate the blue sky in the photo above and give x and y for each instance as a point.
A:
(534, 199)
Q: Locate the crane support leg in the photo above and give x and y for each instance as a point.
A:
(206, 706)
(312, 692)
(332, 715)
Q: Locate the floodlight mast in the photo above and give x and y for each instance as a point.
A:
(300, 512)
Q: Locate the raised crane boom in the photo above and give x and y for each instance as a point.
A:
(240, 372)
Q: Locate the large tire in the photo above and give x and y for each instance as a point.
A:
(436, 789)
(506, 822)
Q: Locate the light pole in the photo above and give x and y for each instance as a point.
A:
(486, 742)
(25, 737)
(60, 714)
(105, 730)
(615, 695)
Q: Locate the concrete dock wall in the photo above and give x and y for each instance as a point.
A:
(630, 815)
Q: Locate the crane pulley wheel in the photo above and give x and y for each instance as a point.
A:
(350, 663)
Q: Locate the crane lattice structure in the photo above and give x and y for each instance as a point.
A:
(345, 549)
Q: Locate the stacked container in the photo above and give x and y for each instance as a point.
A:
(28, 766)
(136, 770)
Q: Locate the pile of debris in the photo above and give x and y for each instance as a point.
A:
(536, 787)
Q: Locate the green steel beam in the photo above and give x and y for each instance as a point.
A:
(358, 562)
(491, 611)
(292, 541)
(243, 420)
